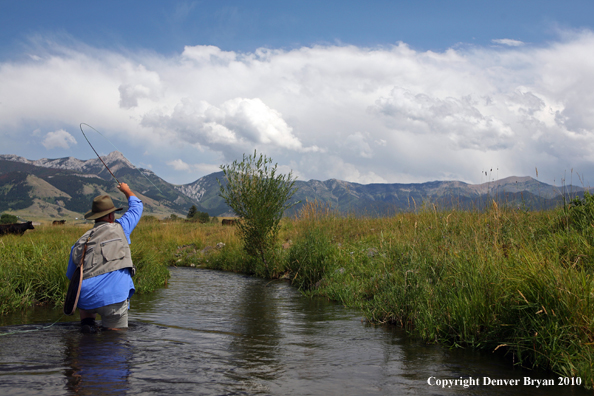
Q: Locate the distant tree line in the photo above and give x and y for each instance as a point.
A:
(195, 215)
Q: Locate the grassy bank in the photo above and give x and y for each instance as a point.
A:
(505, 280)
(33, 266)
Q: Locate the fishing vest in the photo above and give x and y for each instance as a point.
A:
(107, 250)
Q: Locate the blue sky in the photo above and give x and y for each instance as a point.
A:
(166, 27)
(380, 91)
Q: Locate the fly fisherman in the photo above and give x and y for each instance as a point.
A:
(107, 265)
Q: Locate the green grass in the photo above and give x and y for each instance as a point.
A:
(506, 280)
(33, 266)
(496, 279)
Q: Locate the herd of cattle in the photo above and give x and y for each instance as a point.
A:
(20, 228)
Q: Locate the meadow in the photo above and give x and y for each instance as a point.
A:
(506, 280)
(33, 266)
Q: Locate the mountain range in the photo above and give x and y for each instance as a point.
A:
(64, 188)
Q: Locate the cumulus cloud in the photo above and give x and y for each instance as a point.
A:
(357, 144)
(235, 126)
(129, 95)
(208, 54)
(386, 114)
(180, 165)
(508, 42)
(59, 138)
(465, 123)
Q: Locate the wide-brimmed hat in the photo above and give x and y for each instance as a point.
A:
(102, 205)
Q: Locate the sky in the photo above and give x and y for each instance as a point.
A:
(367, 92)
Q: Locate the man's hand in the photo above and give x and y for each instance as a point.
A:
(123, 187)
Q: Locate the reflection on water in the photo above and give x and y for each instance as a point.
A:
(98, 363)
(214, 333)
(257, 348)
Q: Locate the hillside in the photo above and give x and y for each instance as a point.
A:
(64, 187)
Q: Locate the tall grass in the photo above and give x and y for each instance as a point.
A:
(500, 279)
(33, 266)
(32, 269)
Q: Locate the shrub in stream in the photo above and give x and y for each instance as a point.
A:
(259, 196)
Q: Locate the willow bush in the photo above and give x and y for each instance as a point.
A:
(259, 195)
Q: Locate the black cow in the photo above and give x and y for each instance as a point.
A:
(229, 222)
(16, 228)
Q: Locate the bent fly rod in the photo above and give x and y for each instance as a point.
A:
(98, 156)
(104, 164)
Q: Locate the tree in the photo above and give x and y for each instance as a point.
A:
(8, 218)
(259, 196)
(195, 215)
(192, 212)
(201, 217)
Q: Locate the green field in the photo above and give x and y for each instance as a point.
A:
(508, 280)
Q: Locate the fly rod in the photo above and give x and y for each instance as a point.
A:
(98, 156)
(106, 167)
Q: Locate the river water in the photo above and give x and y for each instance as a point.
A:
(217, 333)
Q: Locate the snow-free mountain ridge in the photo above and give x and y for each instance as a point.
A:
(64, 187)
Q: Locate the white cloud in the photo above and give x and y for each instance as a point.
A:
(508, 42)
(234, 127)
(206, 54)
(59, 138)
(180, 165)
(464, 122)
(362, 114)
(129, 94)
(357, 144)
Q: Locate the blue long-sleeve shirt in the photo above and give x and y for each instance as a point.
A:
(112, 287)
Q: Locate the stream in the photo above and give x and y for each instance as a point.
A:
(219, 333)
